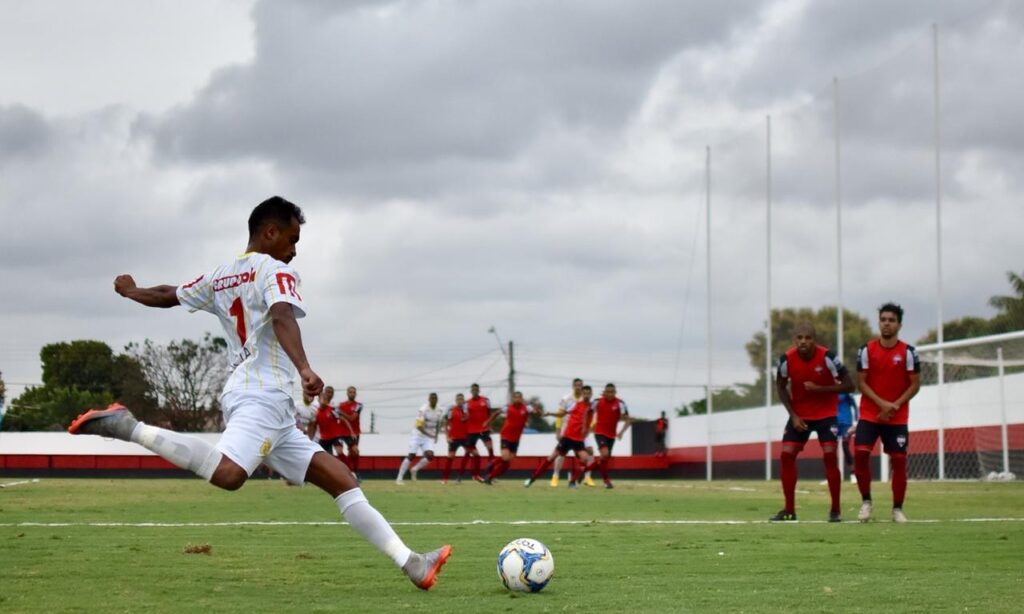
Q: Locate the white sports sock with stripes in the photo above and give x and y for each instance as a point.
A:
(420, 465)
(369, 523)
(184, 451)
(558, 466)
(405, 467)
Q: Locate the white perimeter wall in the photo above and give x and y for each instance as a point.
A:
(539, 444)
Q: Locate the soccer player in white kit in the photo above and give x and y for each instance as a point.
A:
(257, 297)
(423, 438)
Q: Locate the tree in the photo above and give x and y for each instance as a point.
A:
(77, 375)
(51, 408)
(856, 332)
(3, 396)
(186, 377)
(538, 423)
(1009, 317)
(1011, 307)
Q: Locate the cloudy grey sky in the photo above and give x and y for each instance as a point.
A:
(533, 165)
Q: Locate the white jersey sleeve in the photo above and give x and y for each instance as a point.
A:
(197, 295)
(281, 284)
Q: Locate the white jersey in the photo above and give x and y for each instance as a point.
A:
(428, 419)
(240, 294)
(304, 414)
(566, 404)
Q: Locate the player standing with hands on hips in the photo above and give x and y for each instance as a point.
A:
(809, 376)
(257, 299)
(890, 375)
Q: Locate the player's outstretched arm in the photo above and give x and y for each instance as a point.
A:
(286, 328)
(157, 296)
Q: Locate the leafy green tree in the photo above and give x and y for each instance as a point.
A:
(51, 408)
(1009, 317)
(856, 332)
(77, 375)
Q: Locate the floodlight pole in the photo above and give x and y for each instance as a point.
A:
(710, 395)
(938, 257)
(768, 302)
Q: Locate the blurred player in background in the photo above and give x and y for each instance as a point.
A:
(890, 375)
(808, 380)
(327, 423)
(609, 410)
(257, 298)
(454, 424)
(349, 411)
(422, 439)
(574, 432)
(305, 414)
(660, 432)
(515, 414)
(846, 418)
(478, 409)
(564, 405)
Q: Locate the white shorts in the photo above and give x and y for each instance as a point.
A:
(260, 429)
(420, 443)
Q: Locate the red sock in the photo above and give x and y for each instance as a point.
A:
(862, 469)
(499, 468)
(835, 481)
(577, 472)
(541, 469)
(898, 463)
(603, 466)
(354, 462)
(476, 466)
(465, 461)
(787, 464)
(447, 471)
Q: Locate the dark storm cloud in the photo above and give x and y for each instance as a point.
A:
(23, 133)
(372, 97)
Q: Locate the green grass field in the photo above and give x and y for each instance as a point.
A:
(85, 545)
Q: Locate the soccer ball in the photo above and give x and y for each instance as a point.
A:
(525, 565)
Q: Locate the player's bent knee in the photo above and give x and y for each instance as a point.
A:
(228, 475)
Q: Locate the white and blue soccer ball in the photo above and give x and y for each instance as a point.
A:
(525, 565)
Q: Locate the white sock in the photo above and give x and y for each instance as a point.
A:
(403, 468)
(369, 523)
(420, 465)
(558, 466)
(184, 451)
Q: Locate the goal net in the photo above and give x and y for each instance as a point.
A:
(967, 423)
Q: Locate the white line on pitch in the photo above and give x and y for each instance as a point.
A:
(450, 524)
(10, 484)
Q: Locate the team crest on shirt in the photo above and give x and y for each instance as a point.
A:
(897, 359)
(819, 369)
(265, 448)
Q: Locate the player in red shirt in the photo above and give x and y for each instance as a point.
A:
(890, 375)
(660, 430)
(454, 423)
(515, 414)
(808, 380)
(478, 409)
(327, 424)
(349, 412)
(609, 410)
(574, 431)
